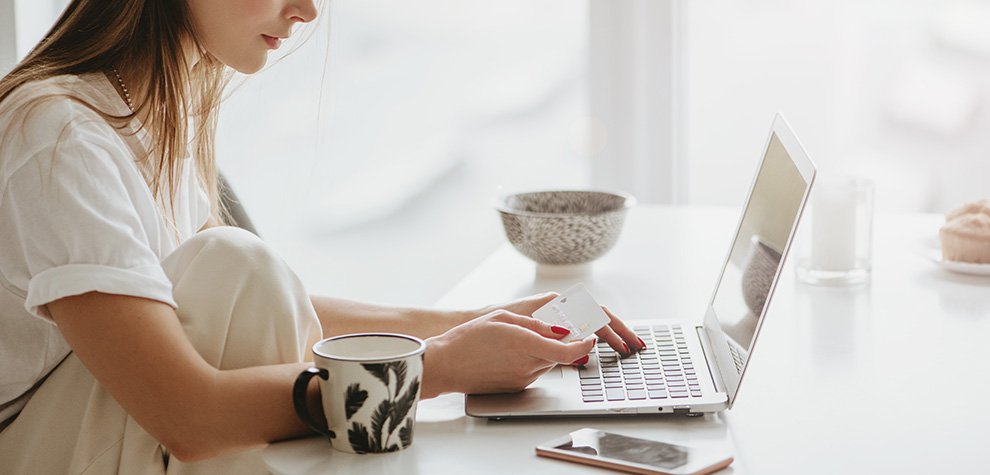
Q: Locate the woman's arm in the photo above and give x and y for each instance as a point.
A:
(137, 350)
(499, 348)
(340, 316)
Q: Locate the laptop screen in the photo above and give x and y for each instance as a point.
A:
(767, 225)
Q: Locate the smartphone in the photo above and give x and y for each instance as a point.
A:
(632, 454)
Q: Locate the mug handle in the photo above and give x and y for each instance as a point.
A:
(300, 401)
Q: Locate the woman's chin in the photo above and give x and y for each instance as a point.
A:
(249, 66)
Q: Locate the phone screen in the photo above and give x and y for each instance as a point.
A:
(630, 449)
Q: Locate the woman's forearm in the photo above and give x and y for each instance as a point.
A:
(253, 407)
(340, 317)
(138, 351)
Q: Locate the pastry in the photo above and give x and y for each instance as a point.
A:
(975, 207)
(966, 238)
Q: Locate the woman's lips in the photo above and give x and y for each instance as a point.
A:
(273, 41)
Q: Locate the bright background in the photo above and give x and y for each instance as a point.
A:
(370, 155)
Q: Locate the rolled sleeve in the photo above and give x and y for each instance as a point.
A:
(78, 217)
(148, 282)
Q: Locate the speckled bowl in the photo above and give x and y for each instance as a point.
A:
(564, 230)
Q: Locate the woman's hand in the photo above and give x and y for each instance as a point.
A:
(522, 306)
(619, 336)
(499, 352)
(616, 334)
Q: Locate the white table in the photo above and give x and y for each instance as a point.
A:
(891, 377)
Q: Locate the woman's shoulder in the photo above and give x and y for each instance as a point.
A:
(59, 97)
(91, 87)
(40, 112)
(55, 112)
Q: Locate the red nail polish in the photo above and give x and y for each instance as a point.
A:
(642, 344)
(580, 361)
(559, 330)
(627, 348)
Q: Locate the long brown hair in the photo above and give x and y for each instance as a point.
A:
(146, 36)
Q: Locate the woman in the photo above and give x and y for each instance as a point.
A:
(139, 334)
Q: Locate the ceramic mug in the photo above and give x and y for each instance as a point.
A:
(370, 385)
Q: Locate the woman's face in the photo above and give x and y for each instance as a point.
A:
(240, 33)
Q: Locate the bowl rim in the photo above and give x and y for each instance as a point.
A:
(499, 202)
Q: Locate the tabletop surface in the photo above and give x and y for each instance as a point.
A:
(888, 377)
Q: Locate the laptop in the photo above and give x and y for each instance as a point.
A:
(686, 367)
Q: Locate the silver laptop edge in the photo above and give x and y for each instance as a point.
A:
(724, 369)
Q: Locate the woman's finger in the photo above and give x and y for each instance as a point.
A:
(619, 336)
(557, 352)
(614, 340)
(535, 325)
(523, 306)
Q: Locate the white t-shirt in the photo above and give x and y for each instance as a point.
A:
(76, 216)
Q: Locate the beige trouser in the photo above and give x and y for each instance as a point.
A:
(239, 304)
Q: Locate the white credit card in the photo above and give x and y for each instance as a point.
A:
(575, 310)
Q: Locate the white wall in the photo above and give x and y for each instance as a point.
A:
(891, 89)
(22, 24)
(635, 128)
(404, 92)
(376, 177)
(8, 36)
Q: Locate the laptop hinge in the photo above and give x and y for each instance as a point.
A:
(713, 370)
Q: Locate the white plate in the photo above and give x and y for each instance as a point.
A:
(931, 249)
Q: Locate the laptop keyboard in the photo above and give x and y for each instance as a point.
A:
(662, 370)
(737, 358)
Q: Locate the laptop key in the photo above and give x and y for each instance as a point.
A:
(615, 394)
(637, 394)
(593, 399)
(587, 373)
(658, 394)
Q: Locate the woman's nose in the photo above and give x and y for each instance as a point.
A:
(304, 11)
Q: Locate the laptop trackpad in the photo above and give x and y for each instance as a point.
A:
(555, 373)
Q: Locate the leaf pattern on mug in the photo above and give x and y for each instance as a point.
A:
(402, 405)
(354, 397)
(390, 413)
(379, 370)
(378, 420)
(400, 369)
(357, 435)
(406, 433)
